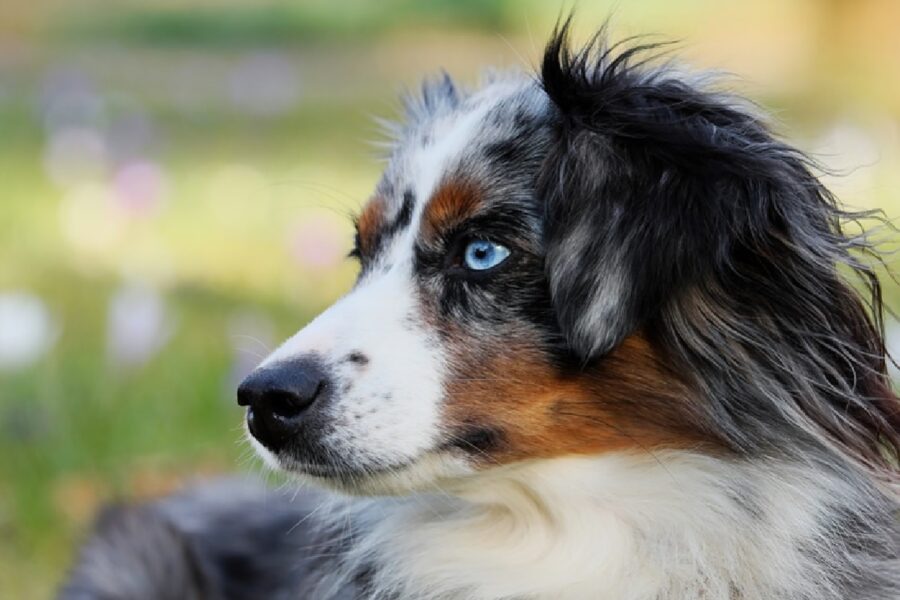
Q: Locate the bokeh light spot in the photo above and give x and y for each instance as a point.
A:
(27, 329)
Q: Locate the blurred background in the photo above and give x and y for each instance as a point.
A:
(175, 181)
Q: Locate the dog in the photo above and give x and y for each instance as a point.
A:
(609, 341)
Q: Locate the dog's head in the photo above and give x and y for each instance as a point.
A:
(603, 258)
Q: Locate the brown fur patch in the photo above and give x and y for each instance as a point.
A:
(369, 222)
(627, 400)
(453, 202)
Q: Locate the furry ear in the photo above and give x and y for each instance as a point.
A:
(675, 210)
(642, 191)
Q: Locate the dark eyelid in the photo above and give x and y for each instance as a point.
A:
(506, 230)
(510, 227)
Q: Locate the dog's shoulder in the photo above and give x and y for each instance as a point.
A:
(225, 539)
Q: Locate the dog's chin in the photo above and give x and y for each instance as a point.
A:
(430, 471)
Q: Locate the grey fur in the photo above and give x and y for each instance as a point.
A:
(231, 539)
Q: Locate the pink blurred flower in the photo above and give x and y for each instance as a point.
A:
(140, 188)
(316, 243)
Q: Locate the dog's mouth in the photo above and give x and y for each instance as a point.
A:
(437, 467)
(339, 472)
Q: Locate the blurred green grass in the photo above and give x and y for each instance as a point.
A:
(74, 429)
(245, 184)
(283, 23)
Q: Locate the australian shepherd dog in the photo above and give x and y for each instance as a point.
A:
(611, 340)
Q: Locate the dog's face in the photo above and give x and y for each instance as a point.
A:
(447, 357)
(605, 258)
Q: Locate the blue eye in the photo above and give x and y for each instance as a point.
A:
(481, 255)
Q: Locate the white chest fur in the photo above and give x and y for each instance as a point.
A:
(668, 526)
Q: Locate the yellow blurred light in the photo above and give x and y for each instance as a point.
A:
(89, 219)
(238, 195)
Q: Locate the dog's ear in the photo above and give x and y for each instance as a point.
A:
(643, 192)
(676, 211)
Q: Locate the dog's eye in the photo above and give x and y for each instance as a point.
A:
(481, 255)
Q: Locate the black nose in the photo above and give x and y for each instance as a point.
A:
(277, 396)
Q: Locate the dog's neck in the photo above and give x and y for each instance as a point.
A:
(621, 527)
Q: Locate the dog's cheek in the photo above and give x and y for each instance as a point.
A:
(510, 401)
(499, 394)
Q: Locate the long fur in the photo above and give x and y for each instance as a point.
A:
(736, 258)
(654, 209)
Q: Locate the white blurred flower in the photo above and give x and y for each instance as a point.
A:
(317, 243)
(27, 329)
(265, 84)
(892, 341)
(138, 325)
(74, 155)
